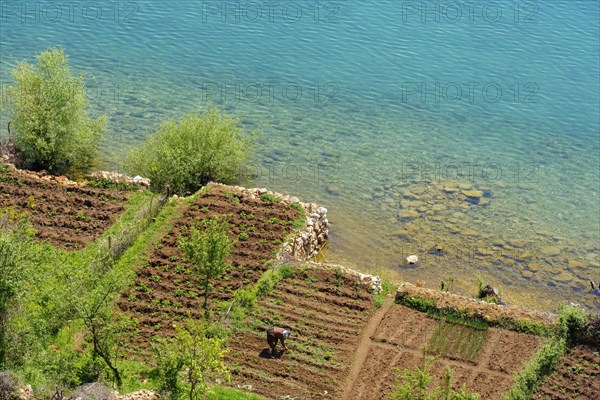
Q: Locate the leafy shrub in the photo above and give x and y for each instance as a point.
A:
(286, 272)
(48, 111)
(207, 247)
(571, 322)
(14, 234)
(190, 363)
(269, 198)
(414, 385)
(188, 153)
(536, 369)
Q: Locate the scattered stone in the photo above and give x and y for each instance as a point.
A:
(412, 259)
(332, 189)
(488, 291)
(450, 189)
(140, 395)
(402, 234)
(484, 201)
(26, 393)
(93, 391)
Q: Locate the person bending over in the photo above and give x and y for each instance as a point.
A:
(274, 335)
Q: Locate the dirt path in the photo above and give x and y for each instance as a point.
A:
(360, 355)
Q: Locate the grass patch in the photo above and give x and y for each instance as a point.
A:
(386, 289)
(457, 340)
(269, 198)
(430, 307)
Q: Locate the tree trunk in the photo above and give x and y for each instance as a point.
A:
(206, 314)
(98, 350)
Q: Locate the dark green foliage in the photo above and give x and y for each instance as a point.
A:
(536, 369)
(188, 153)
(48, 111)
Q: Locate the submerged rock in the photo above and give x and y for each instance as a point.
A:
(408, 214)
(551, 251)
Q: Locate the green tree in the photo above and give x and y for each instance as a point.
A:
(93, 288)
(188, 153)
(14, 233)
(207, 248)
(48, 111)
(191, 362)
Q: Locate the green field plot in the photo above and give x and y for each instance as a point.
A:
(457, 341)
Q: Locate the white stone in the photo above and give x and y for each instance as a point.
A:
(412, 259)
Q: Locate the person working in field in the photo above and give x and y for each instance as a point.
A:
(274, 335)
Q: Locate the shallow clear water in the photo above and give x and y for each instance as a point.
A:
(359, 103)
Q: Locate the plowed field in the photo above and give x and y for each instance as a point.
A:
(483, 360)
(67, 217)
(576, 377)
(166, 288)
(325, 313)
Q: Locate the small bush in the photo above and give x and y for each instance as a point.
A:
(572, 322)
(48, 111)
(189, 153)
(269, 198)
(415, 385)
(287, 272)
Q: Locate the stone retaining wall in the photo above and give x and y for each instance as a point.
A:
(309, 241)
(476, 308)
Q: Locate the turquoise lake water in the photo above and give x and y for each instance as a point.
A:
(376, 110)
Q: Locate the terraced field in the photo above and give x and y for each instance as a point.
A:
(326, 313)
(577, 376)
(483, 360)
(68, 217)
(166, 289)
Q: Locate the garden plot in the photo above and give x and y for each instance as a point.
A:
(167, 290)
(326, 311)
(577, 376)
(482, 359)
(68, 217)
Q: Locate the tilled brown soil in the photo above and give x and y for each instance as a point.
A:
(576, 377)
(68, 217)
(325, 313)
(398, 344)
(166, 288)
